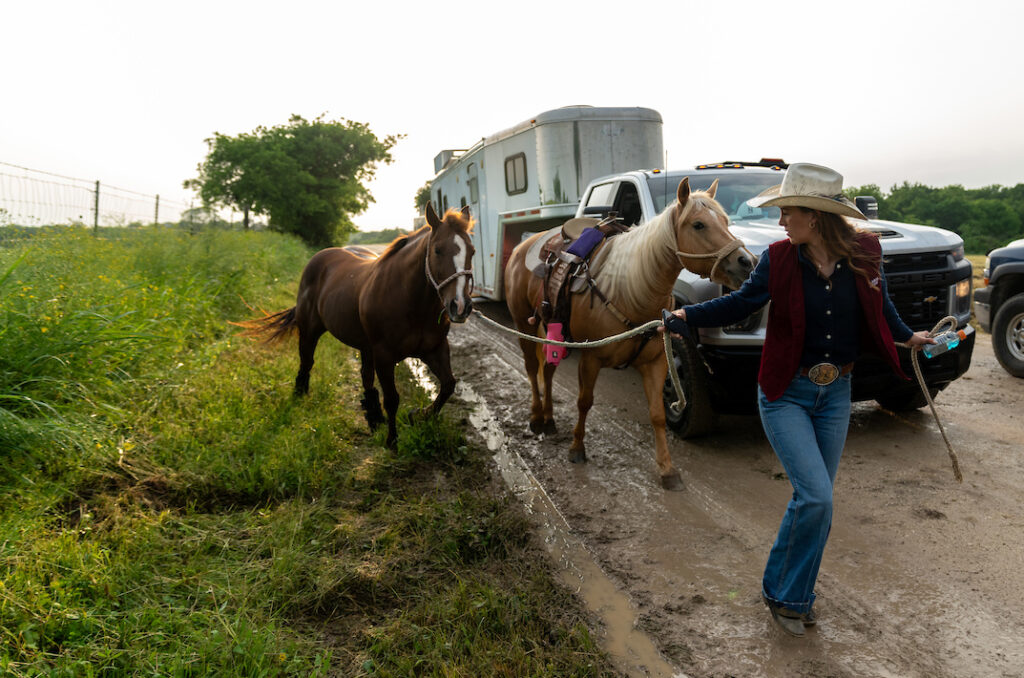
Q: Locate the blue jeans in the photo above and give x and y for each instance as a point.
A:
(807, 428)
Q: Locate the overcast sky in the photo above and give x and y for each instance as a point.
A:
(884, 92)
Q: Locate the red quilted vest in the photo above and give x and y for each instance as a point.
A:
(784, 340)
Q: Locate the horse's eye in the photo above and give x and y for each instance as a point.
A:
(698, 225)
(437, 250)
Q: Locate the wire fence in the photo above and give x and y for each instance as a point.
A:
(30, 197)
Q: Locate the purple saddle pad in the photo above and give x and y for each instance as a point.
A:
(586, 243)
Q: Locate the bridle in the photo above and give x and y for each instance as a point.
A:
(468, 272)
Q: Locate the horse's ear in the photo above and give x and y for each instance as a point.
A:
(683, 192)
(714, 187)
(465, 211)
(432, 216)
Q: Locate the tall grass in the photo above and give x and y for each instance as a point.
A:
(167, 508)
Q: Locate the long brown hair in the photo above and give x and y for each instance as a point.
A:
(839, 238)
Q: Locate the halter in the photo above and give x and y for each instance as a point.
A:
(718, 256)
(468, 272)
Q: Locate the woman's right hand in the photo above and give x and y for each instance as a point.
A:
(670, 320)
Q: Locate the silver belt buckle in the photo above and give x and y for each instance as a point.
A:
(823, 374)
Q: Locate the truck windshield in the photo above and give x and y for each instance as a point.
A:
(734, 189)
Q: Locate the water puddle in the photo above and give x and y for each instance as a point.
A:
(631, 649)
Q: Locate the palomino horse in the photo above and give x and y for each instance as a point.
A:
(635, 271)
(395, 306)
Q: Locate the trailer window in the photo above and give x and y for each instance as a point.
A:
(515, 174)
(473, 183)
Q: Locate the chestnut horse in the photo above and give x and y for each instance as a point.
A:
(635, 271)
(395, 306)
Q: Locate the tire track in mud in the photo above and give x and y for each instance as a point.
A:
(690, 561)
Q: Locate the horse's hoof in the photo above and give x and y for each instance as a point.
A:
(549, 427)
(577, 456)
(536, 426)
(672, 481)
(392, 443)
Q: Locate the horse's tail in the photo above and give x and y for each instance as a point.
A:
(272, 327)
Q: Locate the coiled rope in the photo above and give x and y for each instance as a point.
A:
(949, 321)
(680, 402)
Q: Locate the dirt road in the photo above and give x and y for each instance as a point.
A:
(922, 576)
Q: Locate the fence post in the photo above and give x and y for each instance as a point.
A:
(96, 210)
(156, 211)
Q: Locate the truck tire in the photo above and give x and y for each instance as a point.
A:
(1008, 335)
(698, 416)
(906, 400)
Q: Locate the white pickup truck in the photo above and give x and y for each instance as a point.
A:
(927, 274)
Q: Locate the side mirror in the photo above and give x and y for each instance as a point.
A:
(868, 205)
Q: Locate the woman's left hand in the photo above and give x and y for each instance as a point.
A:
(919, 339)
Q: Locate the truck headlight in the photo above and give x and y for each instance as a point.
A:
(960, 297)
(957, 252)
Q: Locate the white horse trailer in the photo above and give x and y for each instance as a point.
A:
(530, 177)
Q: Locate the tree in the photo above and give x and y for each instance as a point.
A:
(307, 176)
(867, 189)
(422, 198)
(991, 224)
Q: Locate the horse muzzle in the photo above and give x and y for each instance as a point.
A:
(459, 312)
(736, 268)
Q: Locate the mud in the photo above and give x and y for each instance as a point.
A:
(922, 575)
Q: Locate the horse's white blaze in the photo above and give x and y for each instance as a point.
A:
(461, 264)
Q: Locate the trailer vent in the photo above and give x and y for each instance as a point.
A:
(442, 159)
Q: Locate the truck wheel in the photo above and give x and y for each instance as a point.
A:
(906, 400)
(1008, 335)
(698, 416)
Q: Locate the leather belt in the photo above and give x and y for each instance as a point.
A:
(824, 374)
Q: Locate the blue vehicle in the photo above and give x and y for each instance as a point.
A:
(999, 305)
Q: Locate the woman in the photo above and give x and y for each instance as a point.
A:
(829, 302)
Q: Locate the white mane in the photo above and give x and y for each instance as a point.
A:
(631, 265)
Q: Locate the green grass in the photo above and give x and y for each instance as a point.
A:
(168, 508)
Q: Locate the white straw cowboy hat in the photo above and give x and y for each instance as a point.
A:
(811, 186)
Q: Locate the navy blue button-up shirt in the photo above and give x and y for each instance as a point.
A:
(831, 309)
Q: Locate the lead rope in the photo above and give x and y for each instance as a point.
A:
(680, 402)
(678, 405)
(951, 322)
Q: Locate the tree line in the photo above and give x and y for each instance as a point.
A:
(986, 218)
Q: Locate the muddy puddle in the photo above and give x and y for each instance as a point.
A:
(632, 650)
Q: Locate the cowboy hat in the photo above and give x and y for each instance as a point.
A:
(811, 186)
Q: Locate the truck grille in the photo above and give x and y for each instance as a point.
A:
(902, 263)
(919, 286)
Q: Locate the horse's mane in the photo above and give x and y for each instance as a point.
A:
(630, 268)
(452, 216)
